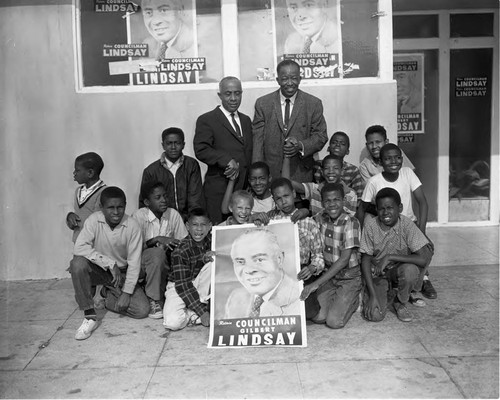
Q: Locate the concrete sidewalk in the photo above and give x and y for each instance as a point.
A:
(450, 350)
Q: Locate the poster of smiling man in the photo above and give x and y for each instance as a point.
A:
(255, 291)
(309, 32)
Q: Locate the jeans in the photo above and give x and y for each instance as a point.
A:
(86, 274)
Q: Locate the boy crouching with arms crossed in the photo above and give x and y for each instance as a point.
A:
(394, 253)
(108, 252)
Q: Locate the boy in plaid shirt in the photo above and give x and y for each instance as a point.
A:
(188, 285)
(340, 285)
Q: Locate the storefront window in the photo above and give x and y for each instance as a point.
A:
(151, 42)
(328, 38)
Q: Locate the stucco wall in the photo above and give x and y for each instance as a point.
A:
(44, 124)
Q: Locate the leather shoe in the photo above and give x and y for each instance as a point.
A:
(428, 290)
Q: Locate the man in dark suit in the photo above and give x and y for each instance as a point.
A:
(223, 141)
(289, 123)
(258, 263)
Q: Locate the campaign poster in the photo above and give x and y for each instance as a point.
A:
(255, 298)
(148, 42)
(408, 71)
(309, 32)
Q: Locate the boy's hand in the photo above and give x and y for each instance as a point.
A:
(205, 318)
(167, 242)
(291, 147)
(299, 214)
(234, 176)
(260, 218)
(381, 265)
(308, 289)
(372, 309)
(117, 276)
(123, 302)
(306, 272)
(209, 256)
(72, 220)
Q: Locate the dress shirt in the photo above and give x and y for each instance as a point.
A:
(170, 224)
(230, 119)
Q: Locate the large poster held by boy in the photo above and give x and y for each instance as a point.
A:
(255, 292)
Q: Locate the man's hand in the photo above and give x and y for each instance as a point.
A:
(123, 302)
(232, 169)
(209, 256)
(72, 220)
(306, 272)
(308, 289)
(205, 318)
(260, 218)
(291, 147)
(372, 309)
(117, 276)
(299, 214)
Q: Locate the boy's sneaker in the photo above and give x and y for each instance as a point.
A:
(416, 301)
(155, 310)
(86, 328)
(99, 301)
(402, 312)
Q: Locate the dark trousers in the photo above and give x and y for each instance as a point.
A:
(86, 274)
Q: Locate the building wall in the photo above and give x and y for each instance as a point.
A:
(44, 124)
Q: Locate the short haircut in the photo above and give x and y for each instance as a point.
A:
(344, 135)
(226, 79)
(279, 182)
(390, 193)
(150, 187)
(198, 212)
(389, 146)
(287, 63)
(331, 157)
(376, 129)
(318, 163)
(172, 131)
(112, 192)
(241, 194)
(91, 161)
(332, 187)
(260, 165)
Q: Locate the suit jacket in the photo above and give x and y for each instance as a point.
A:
(327, 41)
(284, 301)
(307, 124)
(216, 143)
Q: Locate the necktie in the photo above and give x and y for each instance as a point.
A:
(307, 46)
(236, 126)
(287, 113)
(160, 55)
(256, 307)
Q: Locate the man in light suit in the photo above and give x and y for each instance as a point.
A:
(289, 123)
(170, 37)
(223, 141)
(315, 31)
(267, 290)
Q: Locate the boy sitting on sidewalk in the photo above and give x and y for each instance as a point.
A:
(108, 252)
(394, 253)
(188, 285)
(338, 288)
(162, 229)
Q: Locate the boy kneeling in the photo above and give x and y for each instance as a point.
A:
(108, 252)
(188, 284)
(394, 252)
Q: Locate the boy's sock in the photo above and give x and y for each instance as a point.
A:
(426, 278)
(90, 314)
